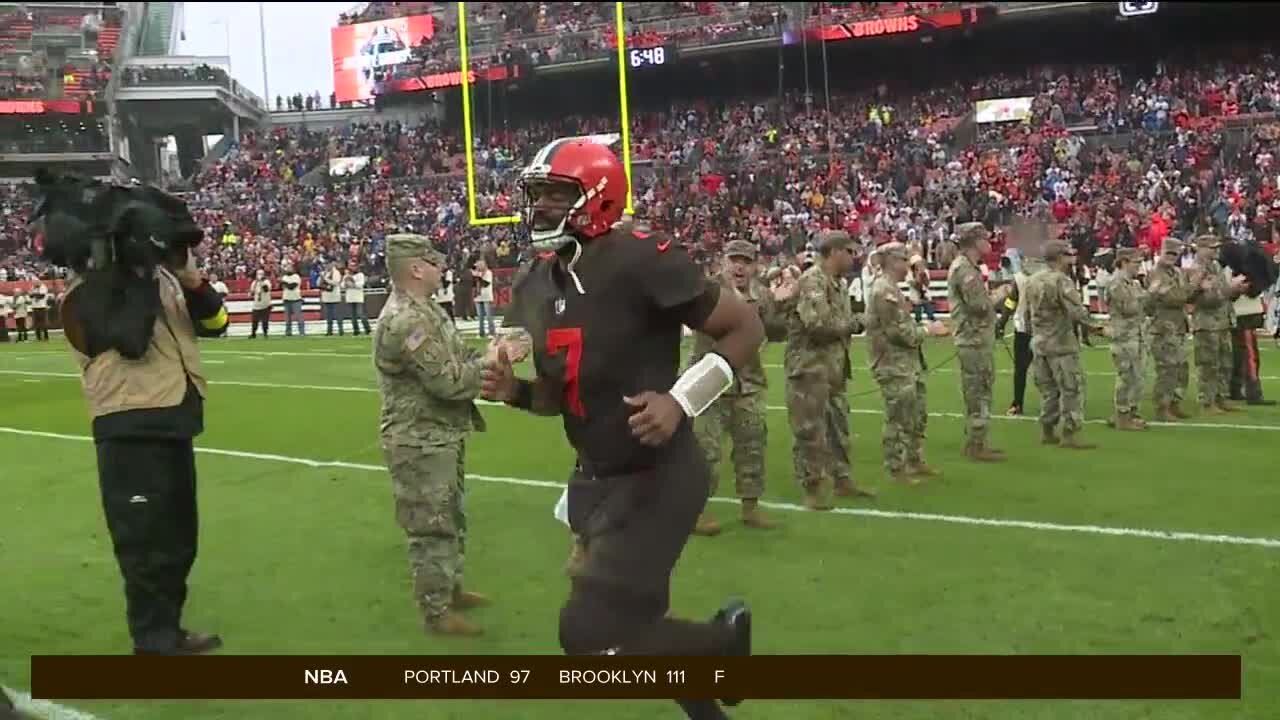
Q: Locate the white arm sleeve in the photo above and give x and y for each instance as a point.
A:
(702, 383)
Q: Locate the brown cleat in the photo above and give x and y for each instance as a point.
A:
(1048, 437)
(814, 501)
(465, 600)
(707, 526)
(451, 623)
(982, 454)
(753, 518)
(1071, 442)
(1175, 409)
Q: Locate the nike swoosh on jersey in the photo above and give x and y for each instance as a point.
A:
(662, 246)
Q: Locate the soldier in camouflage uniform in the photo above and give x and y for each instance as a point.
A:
(1211, 319)
(741, 409)
(973, 316)
(428, 379)
(1168, 292)
(896, 357)
(1055, 312)
(1127, 304)
(817, 367)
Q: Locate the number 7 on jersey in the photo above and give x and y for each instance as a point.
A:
(570, 341)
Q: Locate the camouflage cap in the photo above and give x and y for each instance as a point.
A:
(1208, 242)
(740, 248)
(411, 245)
(1172, 245)
(1128, 255)
(894, 250)
(971, 232)
(832, 239)
(1055, 249)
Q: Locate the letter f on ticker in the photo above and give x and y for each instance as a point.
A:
(719, 674)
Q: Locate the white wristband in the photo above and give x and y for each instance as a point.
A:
(702, 383)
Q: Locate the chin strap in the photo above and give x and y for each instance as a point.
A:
(577, 254)
(704, 382)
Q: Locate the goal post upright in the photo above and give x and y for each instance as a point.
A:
(468, 128)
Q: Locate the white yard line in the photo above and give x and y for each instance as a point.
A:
(883, 514)
(262, 355)
(45, 709)
(775, 408)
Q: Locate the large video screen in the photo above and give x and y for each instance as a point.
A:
(367, 53)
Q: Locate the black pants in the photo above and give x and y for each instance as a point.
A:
(447, 306)
(22, 328)
(260, 317)
(1246, 368)
(1021, 363)
(149, 498)
(40, 317)
(634, 528)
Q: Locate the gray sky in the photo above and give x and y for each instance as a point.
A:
(298, 54)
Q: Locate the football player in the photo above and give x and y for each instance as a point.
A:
(605, 306)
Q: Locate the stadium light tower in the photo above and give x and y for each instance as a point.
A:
(262, 39)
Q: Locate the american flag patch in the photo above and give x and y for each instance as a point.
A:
(414, 341)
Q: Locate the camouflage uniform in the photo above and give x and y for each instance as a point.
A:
(742, 407)
(428, 379)
(1211, 329)
(1128, 303)
(1168, 292)
(818, 371)
(1056, 310)
(896, 358)
(973, 316)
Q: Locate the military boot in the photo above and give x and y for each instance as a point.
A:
(707, 525)
(753, 518)
(815, 499)
(1071, 441)
(1129, 422)
(1048, 436)
(1175, 409)
(904, 477)
(1227, 407)
(980, 453)
(1163, 415)
(1211, 411)
(848, 489)
(464, 600)
(452, 623)
(922, 470)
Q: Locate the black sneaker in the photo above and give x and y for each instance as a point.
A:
(188, 644)
(737, 616)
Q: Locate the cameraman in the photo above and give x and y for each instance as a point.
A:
(146, 412)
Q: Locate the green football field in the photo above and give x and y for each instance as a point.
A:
(1160, 542)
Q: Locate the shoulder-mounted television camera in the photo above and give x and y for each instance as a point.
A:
(89, 225)
(114, 237)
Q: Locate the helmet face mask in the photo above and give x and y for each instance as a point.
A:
(575, 190)
(550, 204)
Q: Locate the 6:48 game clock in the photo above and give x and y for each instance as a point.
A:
(657, 56)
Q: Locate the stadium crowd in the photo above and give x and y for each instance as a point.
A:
(899, 168)
(891, 162)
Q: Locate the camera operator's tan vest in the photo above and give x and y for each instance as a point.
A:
(113, 383)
